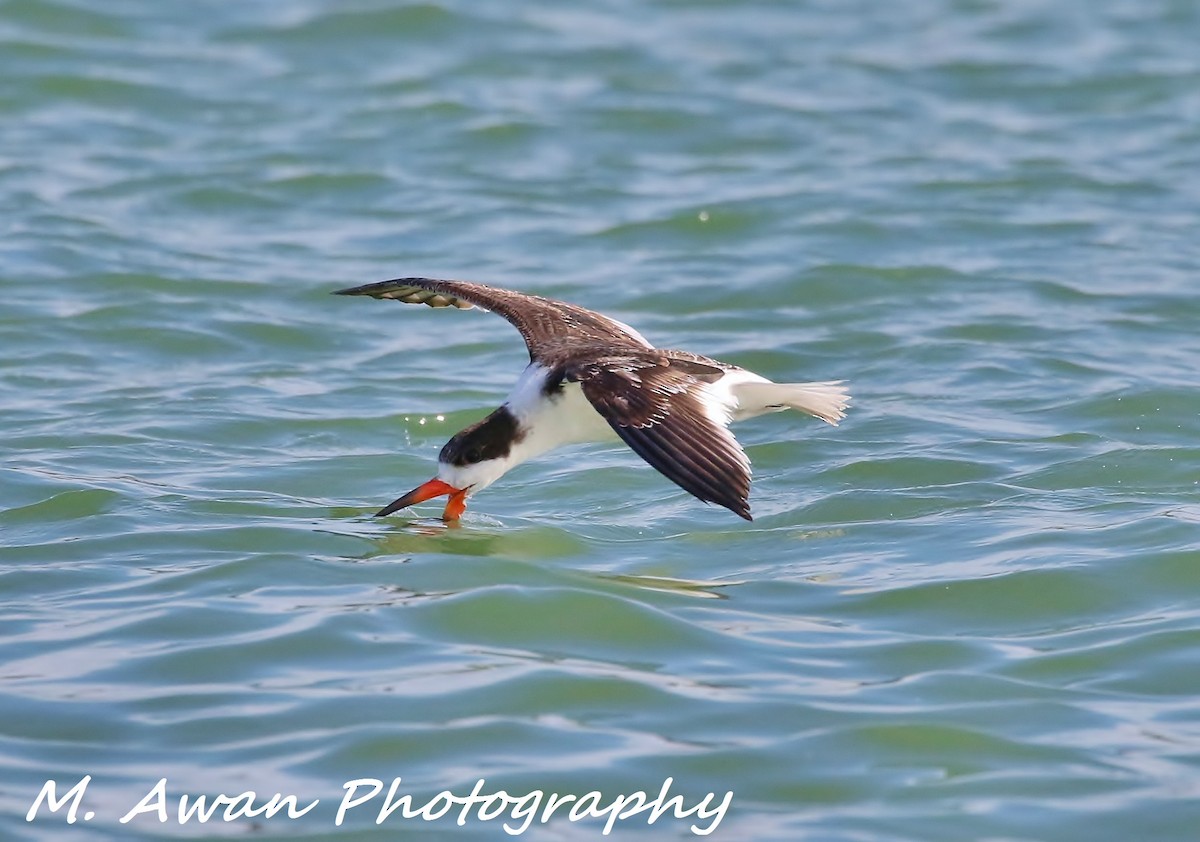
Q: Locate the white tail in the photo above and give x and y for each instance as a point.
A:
(826, 400)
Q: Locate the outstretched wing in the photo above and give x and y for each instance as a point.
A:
(544, 323)
(661, 408)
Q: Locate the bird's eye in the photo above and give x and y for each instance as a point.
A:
(473, 455)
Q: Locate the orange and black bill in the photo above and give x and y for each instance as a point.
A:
(427, 491)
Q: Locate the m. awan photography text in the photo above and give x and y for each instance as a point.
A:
(518, 811)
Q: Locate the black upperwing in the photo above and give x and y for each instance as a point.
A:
(547, 325)
(655, 403)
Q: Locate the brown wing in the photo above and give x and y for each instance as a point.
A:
(543, 322)
(656, 405)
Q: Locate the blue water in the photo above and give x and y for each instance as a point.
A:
(968, 612)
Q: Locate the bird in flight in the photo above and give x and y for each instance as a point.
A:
(593, 378)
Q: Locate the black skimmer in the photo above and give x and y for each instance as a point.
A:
(593, 378)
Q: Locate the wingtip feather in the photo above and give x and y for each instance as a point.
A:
(409, 291)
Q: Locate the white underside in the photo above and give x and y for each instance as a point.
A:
(569, 418)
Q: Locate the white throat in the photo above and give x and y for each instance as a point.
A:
(545, 422)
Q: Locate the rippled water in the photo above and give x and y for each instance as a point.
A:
(970, 612)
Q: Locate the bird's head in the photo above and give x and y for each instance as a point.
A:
(471, 461)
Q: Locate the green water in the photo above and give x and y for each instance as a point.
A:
(970, 612)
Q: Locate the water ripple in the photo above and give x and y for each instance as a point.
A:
(964, 613)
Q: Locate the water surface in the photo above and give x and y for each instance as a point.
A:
(969, 612)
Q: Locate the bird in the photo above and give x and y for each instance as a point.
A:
(593, 378)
